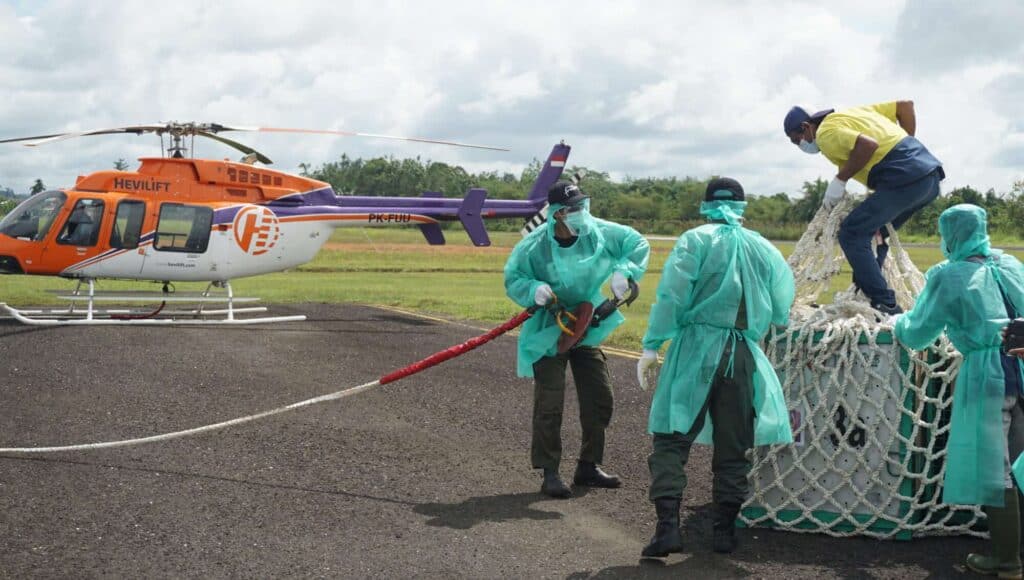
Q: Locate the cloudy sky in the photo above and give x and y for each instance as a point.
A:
(638, 89)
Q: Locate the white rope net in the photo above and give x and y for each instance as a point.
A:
(870, 417)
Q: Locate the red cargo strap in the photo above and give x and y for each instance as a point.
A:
(454, 351)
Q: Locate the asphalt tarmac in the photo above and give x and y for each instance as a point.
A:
(427, 477)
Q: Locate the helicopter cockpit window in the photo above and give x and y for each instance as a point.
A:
(83, 225)
(183, 228)
(128, 224)
(33, 218)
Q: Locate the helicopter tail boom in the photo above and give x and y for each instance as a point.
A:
(431, 207)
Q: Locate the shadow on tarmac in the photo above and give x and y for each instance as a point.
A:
(492, 508)
(759, 545)
(696, 565)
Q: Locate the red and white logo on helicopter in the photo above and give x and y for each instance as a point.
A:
(256, 230)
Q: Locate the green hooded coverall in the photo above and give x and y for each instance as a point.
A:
(964, 296)
(718, 275)
(575, 274)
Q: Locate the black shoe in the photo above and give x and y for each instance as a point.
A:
(724, 538)
(590, 475)
(667, 537)
(888, 309)
(553, 485)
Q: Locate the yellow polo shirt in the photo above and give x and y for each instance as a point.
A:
(838, 133)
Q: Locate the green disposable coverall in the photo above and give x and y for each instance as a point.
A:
(711, 268)
(575, 274)
(964, 298)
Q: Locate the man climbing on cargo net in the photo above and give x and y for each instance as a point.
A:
(870, 418)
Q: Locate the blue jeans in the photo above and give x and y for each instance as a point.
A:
(887, 205)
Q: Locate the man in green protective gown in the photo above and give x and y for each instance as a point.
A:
(721, 289)
(569, 259)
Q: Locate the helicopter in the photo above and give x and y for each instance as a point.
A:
(183, 219)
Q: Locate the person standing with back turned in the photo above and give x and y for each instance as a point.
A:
(720, 290)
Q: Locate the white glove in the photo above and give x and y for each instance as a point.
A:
(647, 361)
(891, 321)
(619, 285)
(835, 192)
(543, 294)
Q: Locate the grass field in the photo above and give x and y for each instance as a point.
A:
(395, 267)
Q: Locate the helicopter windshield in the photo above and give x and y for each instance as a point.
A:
(33, 218)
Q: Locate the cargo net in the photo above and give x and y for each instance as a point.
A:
(870, 418)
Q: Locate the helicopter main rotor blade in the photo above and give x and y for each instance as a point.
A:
(354, 134)
(35, 138)
(243, 148)
(44, 139)
(210, 130)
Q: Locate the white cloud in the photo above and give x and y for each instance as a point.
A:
(650, 102)
(505, 89)
(935, 36)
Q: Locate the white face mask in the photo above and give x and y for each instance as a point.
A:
(576, 220)
(809, 147)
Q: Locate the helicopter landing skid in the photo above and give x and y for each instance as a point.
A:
(90, 314)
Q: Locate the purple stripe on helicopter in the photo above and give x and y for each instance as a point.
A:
(225, 215)
(322, 196)
(110, 253)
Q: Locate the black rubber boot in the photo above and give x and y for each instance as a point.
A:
(553, 485)
(724, 527)
(590, 475)
(667, 537)
(1004, 527)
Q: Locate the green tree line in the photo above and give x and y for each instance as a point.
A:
(664, 205)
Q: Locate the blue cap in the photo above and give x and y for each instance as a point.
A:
(565, 193)
(794, 118)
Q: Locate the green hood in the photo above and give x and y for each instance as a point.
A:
(964, 231)
(731, 212)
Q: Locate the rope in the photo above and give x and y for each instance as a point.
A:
(870, 417)
(414, 368)
(197, 430)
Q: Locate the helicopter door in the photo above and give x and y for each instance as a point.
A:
(126, 230)
(181, 239)
(82, 228)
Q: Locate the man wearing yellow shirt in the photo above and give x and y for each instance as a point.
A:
(875, 145)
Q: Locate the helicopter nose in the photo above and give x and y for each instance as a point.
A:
(9, 264)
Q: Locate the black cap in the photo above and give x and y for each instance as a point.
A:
(724, 188)
(565, 193)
